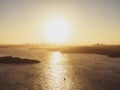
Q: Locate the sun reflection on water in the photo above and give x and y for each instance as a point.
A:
(57, 72)
(56, 58)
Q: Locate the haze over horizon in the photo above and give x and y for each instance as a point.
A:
(61, 21)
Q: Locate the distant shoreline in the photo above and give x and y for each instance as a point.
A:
(100, 52)
(110, 51)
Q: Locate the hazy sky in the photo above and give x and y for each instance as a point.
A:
(90, 21)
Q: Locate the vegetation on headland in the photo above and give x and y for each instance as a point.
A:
(17, 60)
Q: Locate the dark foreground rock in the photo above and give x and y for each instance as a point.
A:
(17, 60)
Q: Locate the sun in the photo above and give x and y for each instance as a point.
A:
(56, 30)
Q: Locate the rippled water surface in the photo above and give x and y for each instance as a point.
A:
(59, 71)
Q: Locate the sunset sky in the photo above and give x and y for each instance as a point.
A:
(77, 21)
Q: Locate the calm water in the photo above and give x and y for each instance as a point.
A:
(60, 71)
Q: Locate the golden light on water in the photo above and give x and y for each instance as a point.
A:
(56, 57)
(56, 30)
(58, 72)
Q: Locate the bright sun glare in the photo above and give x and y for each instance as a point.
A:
(56, 30)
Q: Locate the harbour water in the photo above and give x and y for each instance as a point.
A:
(58, 71)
